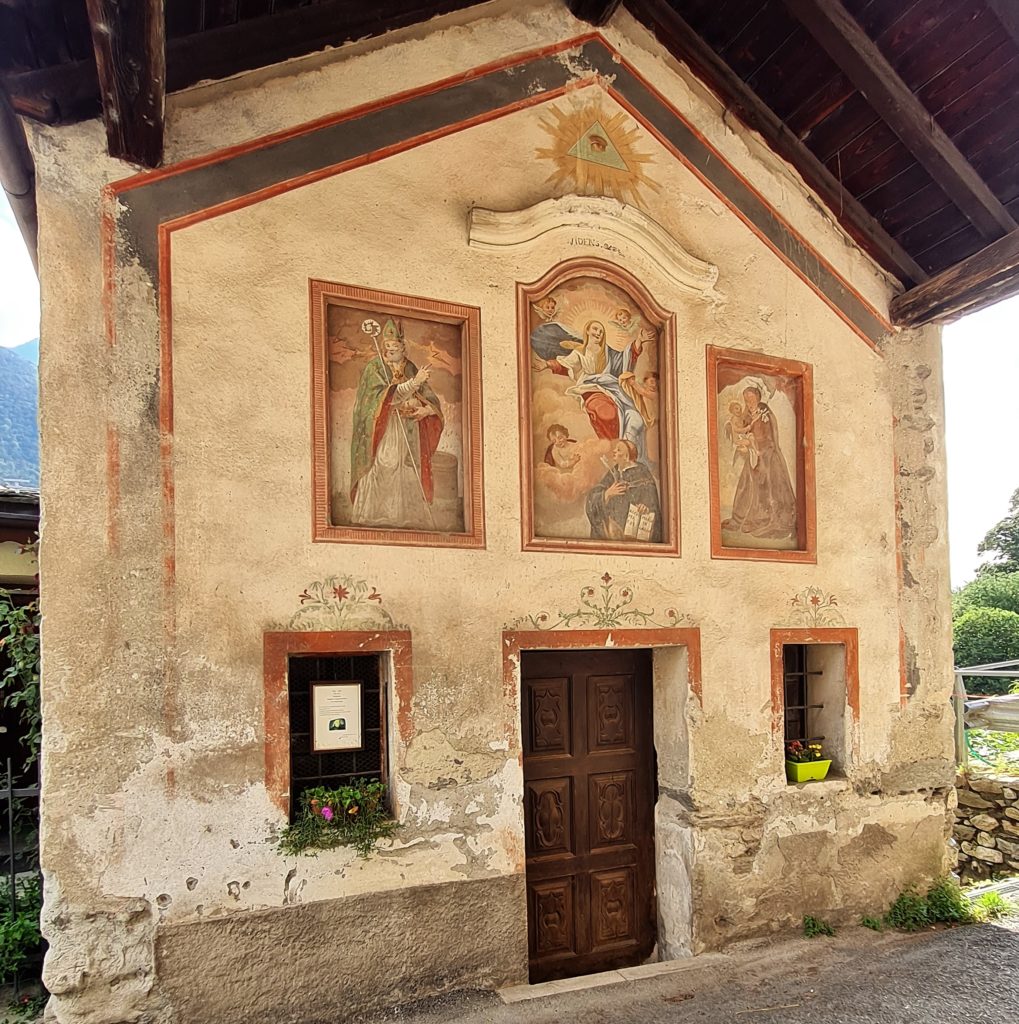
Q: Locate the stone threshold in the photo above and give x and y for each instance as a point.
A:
(523, 993)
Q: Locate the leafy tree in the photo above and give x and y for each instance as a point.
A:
(983, 636)
(1002, 542)
(992, 590)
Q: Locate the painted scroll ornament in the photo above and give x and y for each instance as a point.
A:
(609, 604)
(608, 219)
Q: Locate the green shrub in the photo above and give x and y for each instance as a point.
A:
(875, 924)
(814, 926)
(996, 590)
(909, 912)
(19, 681)
(983, 636)
(990, 906)
(1000, 750)
(20, 938)
(944, 903)
(353, 815)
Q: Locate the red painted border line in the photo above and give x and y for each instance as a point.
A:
(321, 173)
(797, 270)
(883, 320)
(371, 107)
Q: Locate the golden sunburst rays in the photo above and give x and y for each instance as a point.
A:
(594, 152)
(622, 318)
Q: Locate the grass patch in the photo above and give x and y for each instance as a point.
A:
(943, 903)
(814, 926)
(992, 906)
(875, 924)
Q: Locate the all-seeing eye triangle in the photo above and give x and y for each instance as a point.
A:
(596, 147)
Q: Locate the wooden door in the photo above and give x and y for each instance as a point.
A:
(589, 810)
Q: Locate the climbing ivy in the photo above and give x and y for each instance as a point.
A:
(19, 679)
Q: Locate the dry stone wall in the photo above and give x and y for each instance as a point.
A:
(987, 825)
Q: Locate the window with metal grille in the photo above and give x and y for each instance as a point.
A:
(309, 769)
(815, 698)
(797, 694)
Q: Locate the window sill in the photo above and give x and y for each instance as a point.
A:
(834, 783)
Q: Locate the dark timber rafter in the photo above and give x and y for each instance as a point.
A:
(674, 32)
(866, 67)
(595, 12)
(129, 41)
(1007, 12)
(979, 281)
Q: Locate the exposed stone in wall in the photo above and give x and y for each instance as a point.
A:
(987, 825)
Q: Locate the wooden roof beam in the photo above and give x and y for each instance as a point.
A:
(128, 37)
(865, 66)
(680, 38)
(595, 12)
(1007, 12)
(983, 279)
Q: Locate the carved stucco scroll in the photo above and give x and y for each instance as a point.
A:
(496, 231)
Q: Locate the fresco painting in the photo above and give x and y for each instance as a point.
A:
(758, 439)
(396, 418)
(594, 412)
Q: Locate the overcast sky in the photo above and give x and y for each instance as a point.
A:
(981, 373)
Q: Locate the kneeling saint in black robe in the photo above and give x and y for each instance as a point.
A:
(627, 484)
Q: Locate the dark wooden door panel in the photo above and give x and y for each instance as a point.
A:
(588, 810)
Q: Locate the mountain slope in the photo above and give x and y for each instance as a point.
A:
(19, 430)
(29, 350)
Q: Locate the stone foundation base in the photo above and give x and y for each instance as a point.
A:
(328, 961)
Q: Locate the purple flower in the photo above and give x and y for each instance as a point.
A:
(327, 813)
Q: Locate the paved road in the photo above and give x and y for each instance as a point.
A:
(959, 976)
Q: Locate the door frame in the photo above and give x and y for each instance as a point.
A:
(675, 936)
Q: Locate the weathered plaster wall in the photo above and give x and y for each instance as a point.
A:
(15, 563)
(157, 821)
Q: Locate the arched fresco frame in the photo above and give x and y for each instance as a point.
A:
(534, 531)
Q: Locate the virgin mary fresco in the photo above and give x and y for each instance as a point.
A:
(762, 510)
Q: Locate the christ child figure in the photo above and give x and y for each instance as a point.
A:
(737, 429)
(559, 454)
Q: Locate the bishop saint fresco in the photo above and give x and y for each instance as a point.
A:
(397, 426)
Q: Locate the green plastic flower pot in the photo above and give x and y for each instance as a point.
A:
(806, 771)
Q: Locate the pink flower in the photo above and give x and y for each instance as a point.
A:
(340, 593)
(327, 813)
(815, 600)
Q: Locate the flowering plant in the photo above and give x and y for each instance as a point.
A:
(353, 815)
(801, 752)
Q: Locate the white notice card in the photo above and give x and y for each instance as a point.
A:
(336, 716)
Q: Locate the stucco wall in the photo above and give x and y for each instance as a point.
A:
(195, 541)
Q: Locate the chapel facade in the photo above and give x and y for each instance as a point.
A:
(481, 410)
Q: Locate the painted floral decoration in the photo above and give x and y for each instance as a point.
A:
(814, 607)
(339, 602)
(609, 606)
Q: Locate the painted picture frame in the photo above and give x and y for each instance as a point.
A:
(761, 457)
(599, 464)
(396, 419)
